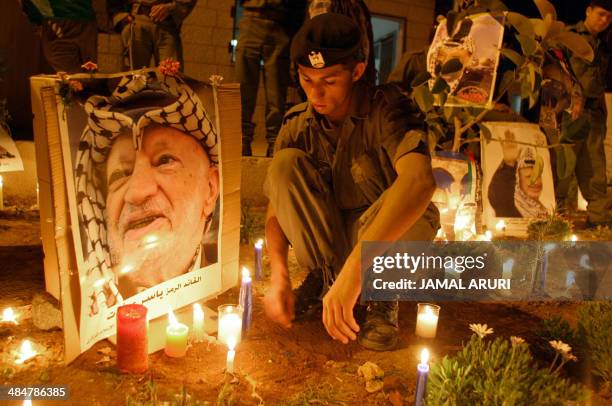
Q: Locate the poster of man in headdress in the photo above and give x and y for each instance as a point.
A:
(517, 175)
(143, 178)
(475, 43)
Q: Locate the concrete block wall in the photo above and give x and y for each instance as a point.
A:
(207, 32)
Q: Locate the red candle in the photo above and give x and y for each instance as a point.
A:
(132, 340)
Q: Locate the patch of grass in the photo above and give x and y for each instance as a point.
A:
(148, 395)
(552, 228)
(322, 394)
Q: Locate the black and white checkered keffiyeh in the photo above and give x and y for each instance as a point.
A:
(186, 114)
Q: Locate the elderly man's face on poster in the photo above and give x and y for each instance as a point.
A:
(531, 187)
(159, 203)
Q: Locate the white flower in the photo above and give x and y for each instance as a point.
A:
(570, 357)
(516, 340)
(481, 329)
(560, 347)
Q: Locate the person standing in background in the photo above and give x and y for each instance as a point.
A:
(69, 33)
(590, 154)
(150, 28)
(266, 28)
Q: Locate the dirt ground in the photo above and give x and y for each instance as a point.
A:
(300, 366)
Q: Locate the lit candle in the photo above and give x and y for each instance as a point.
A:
(259, 259)
(132, 339)
(176, 337)
(199, 334)
(1, 195)
(427, 320)
(25, 352)
(246, 299)
(574, 238)
(8, 316)
(230, 323)
(231, 354)
(500, 226)
(423, 371)
(27, 402)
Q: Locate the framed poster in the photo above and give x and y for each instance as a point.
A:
(10, 160)
(145, 190)
(517, 177)
(456, 181)
(476, 43)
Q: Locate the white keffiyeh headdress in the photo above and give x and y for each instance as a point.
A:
(526, 205)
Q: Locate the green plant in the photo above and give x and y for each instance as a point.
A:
(552, 228)
(555, 328)
(498, 372)
(595, 327)
(535, 37)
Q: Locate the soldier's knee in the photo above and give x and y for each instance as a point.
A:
(285, 162)
(283, 167)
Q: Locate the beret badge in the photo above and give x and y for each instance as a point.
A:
(316, 60)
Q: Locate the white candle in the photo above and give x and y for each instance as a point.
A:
(427, 320)
(8, 316)
(231, 354)
(198, 323)
(230, 323)
(25, 352)
(500, 226)
(1, 195)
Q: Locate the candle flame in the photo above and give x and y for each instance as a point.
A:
(574, 238)
(259, 243)
(424, 356)
(25, 352)
(429, 311)
(246, 275)
(198, 313)
(172, 318)
(501, 224)
(231, 343)
(8, 316)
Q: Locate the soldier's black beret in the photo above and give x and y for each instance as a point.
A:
(605, 4)
(325, 40)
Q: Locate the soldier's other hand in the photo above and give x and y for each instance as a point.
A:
(279, 304)
(338, 305)
(160, 12)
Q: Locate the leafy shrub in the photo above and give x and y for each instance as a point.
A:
(498, 372)
(595, 328)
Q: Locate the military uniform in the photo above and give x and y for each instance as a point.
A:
(265, 33)
(144, 38)
(590, 153)
(326, 183)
